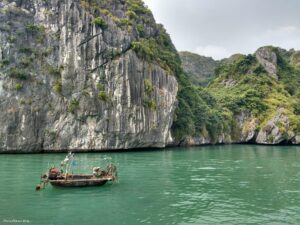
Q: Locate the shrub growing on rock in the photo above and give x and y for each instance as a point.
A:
(98, 21)
(57, 87)
(18, 87)
(102, 95)
(73, 106)
(18, 74)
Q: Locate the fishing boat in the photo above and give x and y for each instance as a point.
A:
(57, 177)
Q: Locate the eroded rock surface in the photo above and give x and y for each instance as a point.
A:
(268, 59)
(70, 80)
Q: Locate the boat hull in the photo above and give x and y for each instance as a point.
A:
(77, 182)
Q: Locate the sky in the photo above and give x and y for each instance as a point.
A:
(221, 28)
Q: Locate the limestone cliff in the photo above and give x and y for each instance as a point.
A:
(253, 99)
(199, 69)
(72, 76)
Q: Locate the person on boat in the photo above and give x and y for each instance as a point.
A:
(97, 171)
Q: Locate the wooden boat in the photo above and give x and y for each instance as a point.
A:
(81, 181)
(57, 177)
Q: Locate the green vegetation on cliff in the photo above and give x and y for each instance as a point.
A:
(243, 85)
(199, 114)
(159, 49)
(249, 88)
(240, 99)
(149, 40)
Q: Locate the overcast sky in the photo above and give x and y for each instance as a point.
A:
(220, 28)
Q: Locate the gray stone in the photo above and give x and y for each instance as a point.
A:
(296, 140)
(268, 59)
(38, 117)
(270, 133)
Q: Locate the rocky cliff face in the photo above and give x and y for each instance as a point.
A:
(71, 77)
(253, 99)
(200, 69)
(268, 59)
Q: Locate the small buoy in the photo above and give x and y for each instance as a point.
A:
(38, 187)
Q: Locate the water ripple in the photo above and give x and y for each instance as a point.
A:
(207, 185)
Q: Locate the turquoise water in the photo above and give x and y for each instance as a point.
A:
(234, 184)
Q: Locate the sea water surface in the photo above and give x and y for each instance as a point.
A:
(233, 184)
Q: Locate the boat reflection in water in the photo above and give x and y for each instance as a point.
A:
(57, 177)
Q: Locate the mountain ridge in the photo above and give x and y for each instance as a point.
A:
(255, 98)
(200, 69)
(93, 75)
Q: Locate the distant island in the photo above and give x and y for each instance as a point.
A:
(103, 75)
